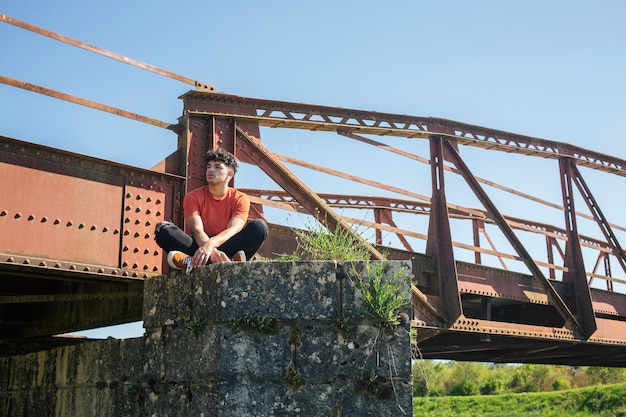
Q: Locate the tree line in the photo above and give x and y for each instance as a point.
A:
(443, 378)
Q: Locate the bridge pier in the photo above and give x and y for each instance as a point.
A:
(254, 339)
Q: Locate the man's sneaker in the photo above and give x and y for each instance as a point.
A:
(239, 256)
(179, 261)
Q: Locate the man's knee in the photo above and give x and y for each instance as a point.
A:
(261, 227)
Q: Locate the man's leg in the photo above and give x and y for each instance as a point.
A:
(249, 239)
(170, 237)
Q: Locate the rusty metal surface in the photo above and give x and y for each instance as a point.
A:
(67, 207)
(272, 113)
(76, 239)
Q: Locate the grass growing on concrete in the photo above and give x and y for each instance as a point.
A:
(317, 243)
(384, 297)
(196, 325)
(261, 324)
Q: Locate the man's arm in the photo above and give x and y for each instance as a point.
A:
(208, 246)
(205, 245)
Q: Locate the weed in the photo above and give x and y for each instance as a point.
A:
(316, 242)
(263, 325)
(415, 350)
(383, 297)
(294, 378)
(132, 390)
(343, 324)
(196, 325)
(286, 257)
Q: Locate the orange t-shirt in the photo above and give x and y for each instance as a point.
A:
(216, 214)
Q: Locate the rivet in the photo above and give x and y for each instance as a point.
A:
(93, 228)
(101, 271)
(148, 199)
(116, 231)
(44, 219)
(87, 269)
(73, 267)
(114, 272)
(128, 195)
(158, 201)
(42, 263)
(128, 208)
(146, 251)
(125, 274)
(137, 221)
(126, 220)
(57, 265)
(156, 253)
(135, 250)
(146, 236)
(135, 266)
(105, 229)
(124, 264)
(82, 225)
(155, 269)
(11, 259)
(135, 274)
(3, 213)
(126, 232)
(136, 234)
(145, 267)
(158, 214)
(26, 262)
(138, 210)
(138, 197)
(148, 223)
(69, 223)
(18, 215)
(148, 211)
(31, 217)
(57, 221)
(125, 248)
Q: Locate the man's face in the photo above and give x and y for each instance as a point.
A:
(217, 172)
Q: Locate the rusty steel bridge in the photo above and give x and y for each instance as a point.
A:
(76, 232)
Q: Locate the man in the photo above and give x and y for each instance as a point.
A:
(215, 218)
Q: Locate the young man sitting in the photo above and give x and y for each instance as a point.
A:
(215, 217)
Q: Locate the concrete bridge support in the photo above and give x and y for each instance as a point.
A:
(247, 339)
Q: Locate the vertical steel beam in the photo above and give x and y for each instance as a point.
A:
(575, 273)
(553, 296)
(477, 227)
(439, 242)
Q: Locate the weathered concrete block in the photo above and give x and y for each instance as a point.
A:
(207, 353)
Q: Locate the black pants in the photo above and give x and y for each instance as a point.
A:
(170, 237)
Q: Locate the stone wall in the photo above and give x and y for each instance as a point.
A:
(244, 339)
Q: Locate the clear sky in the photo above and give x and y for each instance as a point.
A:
(549, 69)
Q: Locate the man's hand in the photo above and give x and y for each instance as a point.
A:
(203, 254)
(218, 256)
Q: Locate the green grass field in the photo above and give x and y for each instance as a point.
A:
(607, 400)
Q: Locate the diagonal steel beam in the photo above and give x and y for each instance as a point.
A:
(553, 295)
(599, 217)
(272, 166)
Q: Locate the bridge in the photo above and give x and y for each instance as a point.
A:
(543, 285)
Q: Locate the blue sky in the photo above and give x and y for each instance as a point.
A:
(553, 70)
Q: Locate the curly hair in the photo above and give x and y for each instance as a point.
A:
(222, 156)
